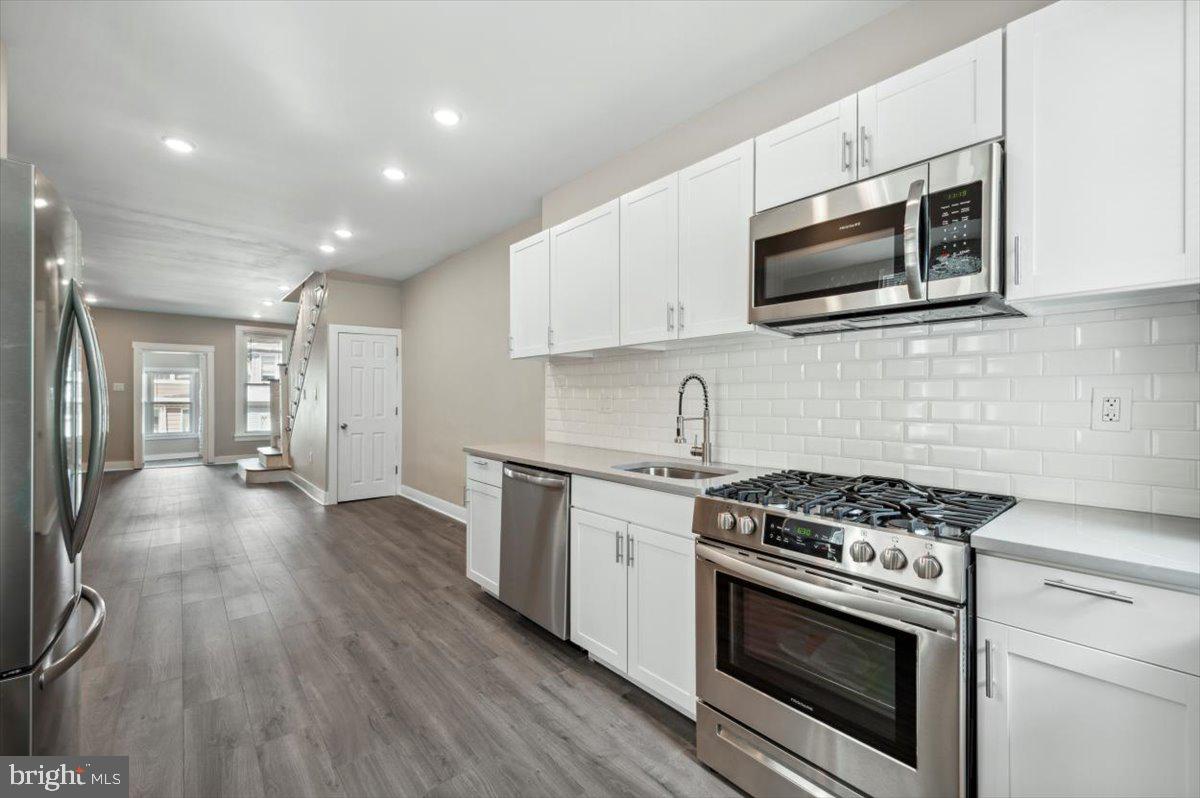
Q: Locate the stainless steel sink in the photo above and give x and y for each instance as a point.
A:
(675, 470)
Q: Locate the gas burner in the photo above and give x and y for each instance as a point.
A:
(883, 502)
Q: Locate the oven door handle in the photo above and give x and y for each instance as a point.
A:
(909, 616)
(912, 239)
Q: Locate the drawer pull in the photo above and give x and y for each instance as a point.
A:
(1089, 591)
(480, 463)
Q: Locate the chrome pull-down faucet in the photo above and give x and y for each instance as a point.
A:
(703, 450)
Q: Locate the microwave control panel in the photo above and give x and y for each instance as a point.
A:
(955, 231)
(805, 537)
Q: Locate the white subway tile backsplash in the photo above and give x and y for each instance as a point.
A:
(1002, 405)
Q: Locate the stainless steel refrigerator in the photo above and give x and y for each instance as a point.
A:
(53, 427)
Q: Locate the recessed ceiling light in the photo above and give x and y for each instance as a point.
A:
(178, 145)
(393, 173)
(40, 202)
(256, 315)
(284, 287)
(328, 249)
(90, 299)
(267, 303)
(447, 117)
(342, 232)
(61, 261)
(64, 281)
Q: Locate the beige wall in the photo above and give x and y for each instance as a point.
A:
(118, 329)
(351, 299)
(907, 36)
(460, 386)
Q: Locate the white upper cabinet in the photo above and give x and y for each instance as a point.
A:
(529, 296)
(716, 200)
(1102, 149)
(585, 276)
(814, 153)
(650, 261)
(942, 105)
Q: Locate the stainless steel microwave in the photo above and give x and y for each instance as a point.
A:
(917, 245)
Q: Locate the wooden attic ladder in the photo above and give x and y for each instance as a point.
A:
(275, 461)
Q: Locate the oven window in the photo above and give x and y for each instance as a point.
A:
(862, 252)
(854, 675)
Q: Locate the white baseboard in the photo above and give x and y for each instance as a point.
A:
(226, 459)
(118, 465)
(313, 492)
(150, 458)
(449, 509)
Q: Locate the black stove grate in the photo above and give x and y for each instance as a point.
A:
(872, 501)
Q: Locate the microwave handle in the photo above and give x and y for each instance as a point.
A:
(912, 239)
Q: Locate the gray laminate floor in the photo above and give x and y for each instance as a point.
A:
(259, 644)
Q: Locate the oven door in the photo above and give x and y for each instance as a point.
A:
(865, 684)
(857, 248)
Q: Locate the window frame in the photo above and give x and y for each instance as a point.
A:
(195, 420)
(243, 334)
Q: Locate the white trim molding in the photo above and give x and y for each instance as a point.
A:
(171, 456)
(118, 465)
(311, 490)
(227, 459)
(448, 509)
(207, 353)
(240, 333)
(331, 404)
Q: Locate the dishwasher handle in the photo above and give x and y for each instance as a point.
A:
(554, 483)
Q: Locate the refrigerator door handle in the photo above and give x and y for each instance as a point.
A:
(75, 526)
(58, 667)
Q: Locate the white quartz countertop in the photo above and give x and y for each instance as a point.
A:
(588, 461)
(1147, 547)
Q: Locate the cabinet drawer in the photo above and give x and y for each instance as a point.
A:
(669, 512)
(1139, 621)
(481, 469)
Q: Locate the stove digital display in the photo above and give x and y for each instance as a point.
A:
(805, 537)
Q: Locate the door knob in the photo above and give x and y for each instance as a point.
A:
(343, 425)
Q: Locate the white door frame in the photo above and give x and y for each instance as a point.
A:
(206, 410)
(331, 405)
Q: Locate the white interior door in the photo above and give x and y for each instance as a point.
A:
(368, 413)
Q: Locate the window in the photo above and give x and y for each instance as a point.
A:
(171, 403)
(260, 354)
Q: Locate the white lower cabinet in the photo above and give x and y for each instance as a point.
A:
(483, 535)
(633, 604)
(1060, 719)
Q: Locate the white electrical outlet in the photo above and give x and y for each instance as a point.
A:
(1112, 408)
(118, 386)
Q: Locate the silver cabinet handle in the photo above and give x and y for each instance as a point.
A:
(987, 668)
(1016, 260)
(510, 345)
(912, 239)
(805, 786)
(629, 550)
(75, 525)
(681, 315)
(1088, 591)
(863, 138)
(58, 667)
(670, 316)
(618, 547)
(846, 151)
(481, 463)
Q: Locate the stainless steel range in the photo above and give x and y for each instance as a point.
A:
(833, 632)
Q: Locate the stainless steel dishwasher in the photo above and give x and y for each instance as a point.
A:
(535, 510)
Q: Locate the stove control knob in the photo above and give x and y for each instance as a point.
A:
(746, 525)
(893, 559)
(726, 521)
(927, 567)
(861, 551)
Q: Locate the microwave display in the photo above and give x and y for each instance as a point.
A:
(955, 231)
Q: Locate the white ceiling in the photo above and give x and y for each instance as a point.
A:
(295, 108)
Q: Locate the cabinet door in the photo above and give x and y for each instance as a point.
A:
(584, 279)
(812, 154)
(650, 261)
(662, 615)
(1101, 149)
(483, 535)
(529, 296)
(716, 200)
(1066, 720)
(598, 585)
(942, 105)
